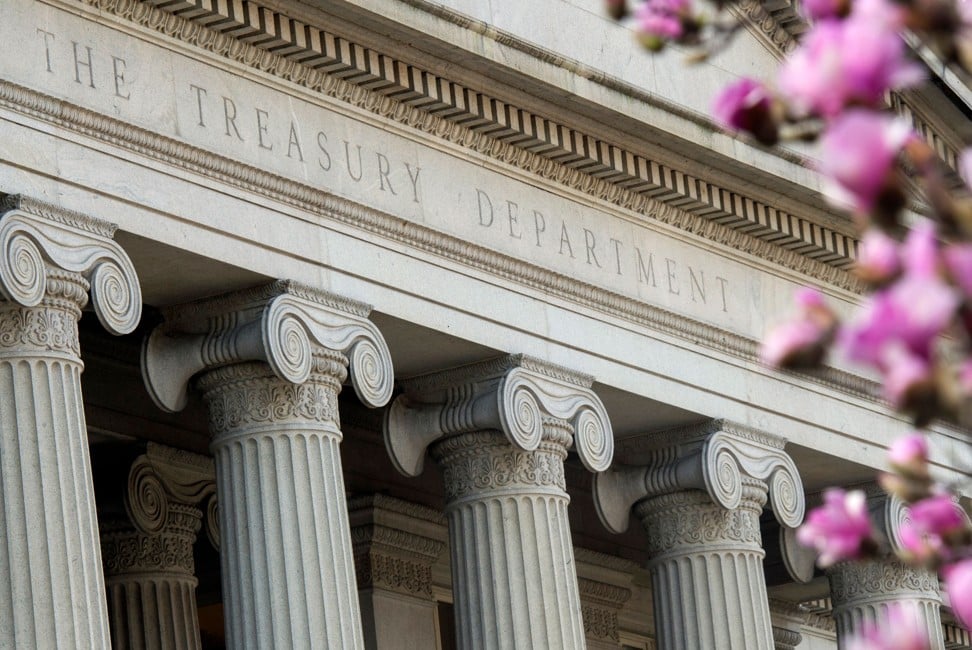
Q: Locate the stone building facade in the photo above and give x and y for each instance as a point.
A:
(393, 314)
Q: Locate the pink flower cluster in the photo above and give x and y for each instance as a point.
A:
(803, 339)
(848, 62)
(662, 18)
(840, 529)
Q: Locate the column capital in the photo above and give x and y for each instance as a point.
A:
(714, 457)
(164, 480)
(513, 394)
(281, 323)
(36, 237)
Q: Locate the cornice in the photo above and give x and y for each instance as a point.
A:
(316, 58)
(419, 237)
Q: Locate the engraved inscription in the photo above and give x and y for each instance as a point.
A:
(629, 258)
(86, 64)
(311, 144)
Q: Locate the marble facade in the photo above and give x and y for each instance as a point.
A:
(298, 246)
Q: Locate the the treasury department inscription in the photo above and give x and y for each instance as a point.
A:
(324, 144)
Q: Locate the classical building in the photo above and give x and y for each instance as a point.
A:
(417, 324)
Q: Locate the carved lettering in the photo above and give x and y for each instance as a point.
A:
(565, 240)
(200, 91)
(78, 64)
(511, 210)
(696, 284)
(589, 243)
(118, 66)
(646, 273)
(294, 142)
(48, 40)
(262, 129)
(617, 254)
(672, 280)
(347, 161)
(229, 115)
(483, 220)
(414, 178)
(384, 168)
(324, 162)
(539, 224)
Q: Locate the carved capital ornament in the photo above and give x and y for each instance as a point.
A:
(513, 394)
(715, 458)
(283, 324)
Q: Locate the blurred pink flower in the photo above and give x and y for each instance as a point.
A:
(958, 262)
(911, 312)
(661, 18)
(919, 253)
(877, 257)
(802, 339)
(745, 106)
(857, 156)
(848, 62)
(932, 523)
(905, 374)
(900, 629)
(909, 451)
(839, 528)
(958, 585)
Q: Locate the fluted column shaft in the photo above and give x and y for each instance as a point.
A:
(53, 594)
(287, 565)
(151, 583)
(864, 591)
(706, 567)
(514, 578)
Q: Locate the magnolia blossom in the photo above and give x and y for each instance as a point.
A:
(958, 263)
(747, 106)
(857, 157)
(909, 453)
(901, 629)
(932, 524)
(661, 19)
(958, 585)
(839, 529)
(877, 257)
(907, 316)
(848, 62)
(801, 340)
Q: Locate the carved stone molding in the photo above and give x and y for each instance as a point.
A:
(611, 177)
(787, 620)
(714, 458)
(600, 604)
(285, 324)
(36, 238)
(860, 582)
(395, 544)
(514, 395)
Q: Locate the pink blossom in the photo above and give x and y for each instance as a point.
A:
(920, 250)
(958, 585)
(901, 629)
(661, 18)
(958, 262)
(839, 528)
(800, 341)
(933, 522)
(746, 106)
(857, 157)
(912, 312)
(909, 451)
(906, 375)
(848, 62)
(877, 257)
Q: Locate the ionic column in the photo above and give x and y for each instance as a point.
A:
(500, 431)
(396, 543)
(270, 363)
(865, 590)
(52, 595)
(699, 497)
(147, 546)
